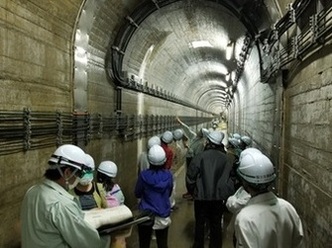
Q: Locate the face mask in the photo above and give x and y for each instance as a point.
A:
(74, 184)
(86, 179)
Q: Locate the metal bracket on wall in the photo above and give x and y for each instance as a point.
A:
(309, 39)
(81, 128)
(27, 129)
(59, 124)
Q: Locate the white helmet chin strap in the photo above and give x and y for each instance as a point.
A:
(63, 176)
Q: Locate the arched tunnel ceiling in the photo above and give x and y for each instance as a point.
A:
(181, 48)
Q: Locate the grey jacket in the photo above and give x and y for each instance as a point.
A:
(208, 176)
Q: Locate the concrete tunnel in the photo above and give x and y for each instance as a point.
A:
(108, 74)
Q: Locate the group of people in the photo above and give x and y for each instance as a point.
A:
(235, 178)
(155, 187)
(260, 218)
(238, 179)
(52, 212)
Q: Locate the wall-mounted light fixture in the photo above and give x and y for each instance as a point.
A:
(229, 50)
(228, 76)
(200, 43)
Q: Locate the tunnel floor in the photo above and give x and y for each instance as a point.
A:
(181, 232)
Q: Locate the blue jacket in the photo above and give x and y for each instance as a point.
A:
(154, 187)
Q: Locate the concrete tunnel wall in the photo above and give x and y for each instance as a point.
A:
(291, 122)
(36, 54)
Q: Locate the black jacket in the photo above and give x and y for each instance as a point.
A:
(208, 176)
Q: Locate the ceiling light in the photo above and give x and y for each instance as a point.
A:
(201, 43)
(223, 84)
(228, 76)
(229, 50)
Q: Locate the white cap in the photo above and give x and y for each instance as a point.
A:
(205, 132)
(154, 140)
(256, 168)
(108, 168)
(177, 134)
(167, 137)
(156, 155)
(247, 140)
(90, 162)
(70, 155)
(250, 150)
(234, 142)
(215, 137)
(236, 136)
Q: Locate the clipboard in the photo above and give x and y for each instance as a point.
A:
(108, 229)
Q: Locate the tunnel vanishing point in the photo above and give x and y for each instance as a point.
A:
(108, 74)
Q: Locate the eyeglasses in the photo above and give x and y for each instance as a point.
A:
(84, 171)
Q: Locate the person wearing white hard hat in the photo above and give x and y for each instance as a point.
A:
(106, 174)
(240, 198)
(245, 142)
(178, 149)
(153, 188)
(266, 220)
(143, 162)
(208, 181)
(231, 149)
(90, 194)
(166, 140)
(233, 157)
(195, 145)
(178, 159)
(238, 148)
(50, 216)
(236, 136)
(214, 137)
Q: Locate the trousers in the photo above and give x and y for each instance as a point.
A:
(208, 212)
(145, 233)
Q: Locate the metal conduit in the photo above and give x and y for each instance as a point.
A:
(318, 31)
(29, 130)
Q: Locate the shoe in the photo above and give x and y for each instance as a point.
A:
(187, 196)
(174, 208)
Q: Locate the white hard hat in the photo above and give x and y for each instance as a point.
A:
(256, 168)
(90, 162)
(177, 134)
(70, 155)
(250, 150)
(247, 140)
(234, 142)
(156, 155)
(236, 136)
(215, 137)
(205, 132)
(154, 140)
(108, 168)
(167, 137)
